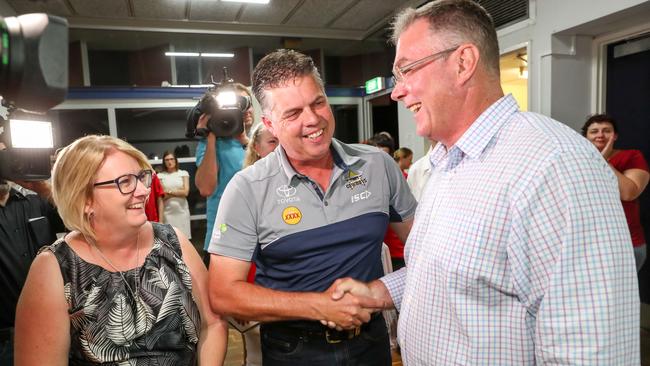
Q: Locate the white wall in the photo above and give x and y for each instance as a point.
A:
(407, 135)
(561, 58)
(560, 36)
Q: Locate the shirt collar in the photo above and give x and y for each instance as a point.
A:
(477, 137)
(342, 160)
(14, 194)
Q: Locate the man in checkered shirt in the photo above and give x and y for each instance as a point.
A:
(519, 253)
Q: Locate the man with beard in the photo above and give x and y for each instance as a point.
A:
(27, 222)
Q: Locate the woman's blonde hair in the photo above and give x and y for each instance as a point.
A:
(402, 153)
(73, 177)
(251, 155)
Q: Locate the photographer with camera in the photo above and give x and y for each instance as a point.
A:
(33, 79)
(220, 154)
(27, 222)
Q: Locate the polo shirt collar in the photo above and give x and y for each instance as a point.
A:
(342, 160)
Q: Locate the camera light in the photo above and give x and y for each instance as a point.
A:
(227, 99)
(31, 134)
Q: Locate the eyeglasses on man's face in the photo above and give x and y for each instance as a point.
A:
(400, 71)
(127, 183)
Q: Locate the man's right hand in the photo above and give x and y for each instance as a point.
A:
(349, 304)
(369, 300)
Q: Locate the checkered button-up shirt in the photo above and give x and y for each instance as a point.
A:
(519, 254)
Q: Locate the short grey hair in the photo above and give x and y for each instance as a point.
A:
(460, 21)
(280, 67)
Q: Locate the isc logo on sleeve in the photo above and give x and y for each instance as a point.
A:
(291, 215)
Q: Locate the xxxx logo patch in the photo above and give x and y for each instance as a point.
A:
(291, 215)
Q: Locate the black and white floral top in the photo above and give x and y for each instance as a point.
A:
(109, 326)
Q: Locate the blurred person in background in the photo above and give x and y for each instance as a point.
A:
(176, 186)
(154, 208)
(404, 158)
(28, 221)
(384, 141)
(419, 173)
(261, 144)
(631, 171)
(217, 161)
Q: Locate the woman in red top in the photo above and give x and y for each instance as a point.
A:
(631, 170)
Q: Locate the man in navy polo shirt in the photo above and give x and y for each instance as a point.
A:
(313, 211)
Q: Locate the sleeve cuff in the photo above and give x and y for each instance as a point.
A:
(395, 282)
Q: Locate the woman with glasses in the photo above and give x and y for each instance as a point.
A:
(176, 184)
(117, 289)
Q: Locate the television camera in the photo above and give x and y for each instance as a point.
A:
(225, 107)
(33, 79)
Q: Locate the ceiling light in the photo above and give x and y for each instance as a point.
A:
(248, 1)
(200, 86)
(225, 55)
(190, 54)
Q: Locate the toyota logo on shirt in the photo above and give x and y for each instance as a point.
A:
(286, 191)
(286, 194)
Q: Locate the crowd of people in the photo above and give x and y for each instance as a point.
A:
(513, 240)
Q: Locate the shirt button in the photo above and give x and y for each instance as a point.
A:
(325, 203)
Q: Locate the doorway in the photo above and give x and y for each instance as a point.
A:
(626, 99)
(384, 117)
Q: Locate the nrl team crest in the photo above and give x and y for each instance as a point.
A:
(355, 179)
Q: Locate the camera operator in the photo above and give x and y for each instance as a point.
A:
(27, 222)
(217, 160)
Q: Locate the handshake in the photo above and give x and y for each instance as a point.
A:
(350, 303)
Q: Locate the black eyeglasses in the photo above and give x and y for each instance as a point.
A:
(400, 71)
(128, 182)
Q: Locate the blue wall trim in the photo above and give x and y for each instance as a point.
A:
(174, 93)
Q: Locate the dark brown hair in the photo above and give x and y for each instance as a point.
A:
(279, 68)
(599, 118)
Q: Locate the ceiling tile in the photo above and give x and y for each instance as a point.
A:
(101, 8)
(213, 10)
(365, 14)
(272, 13)
(317, 13)
(160, 9)
(54, 7)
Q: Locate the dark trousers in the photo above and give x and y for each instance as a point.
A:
(311, 344)
(6, 347)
